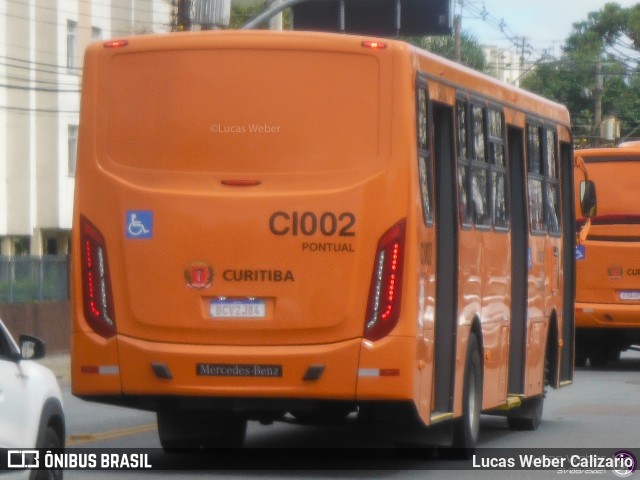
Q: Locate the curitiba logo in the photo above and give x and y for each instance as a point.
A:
(198, 275)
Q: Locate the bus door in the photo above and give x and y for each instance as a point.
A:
(569, 285)
(446, 260)
(519, 261)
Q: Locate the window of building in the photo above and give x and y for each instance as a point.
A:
(51, 246)
(96, 34)
(73, 148)
(72, 28)
(22, 245)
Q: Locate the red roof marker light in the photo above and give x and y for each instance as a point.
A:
(373, 44)
(115, 43)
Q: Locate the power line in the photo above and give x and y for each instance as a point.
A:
(37, 89)
(38, 110)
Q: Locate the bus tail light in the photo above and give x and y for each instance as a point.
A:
(96, 281)
(385, 293)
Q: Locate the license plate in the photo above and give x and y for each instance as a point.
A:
(630, 295)
(237, 308)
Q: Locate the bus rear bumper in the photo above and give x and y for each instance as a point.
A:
(607, 315)
(285, 371)
(353, 370)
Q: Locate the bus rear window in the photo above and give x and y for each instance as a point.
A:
(243, 111)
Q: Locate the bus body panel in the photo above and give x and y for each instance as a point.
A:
(95, 366)
(241, 214)
(608, 286)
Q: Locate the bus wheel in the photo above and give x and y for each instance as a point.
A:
(182, 430)
(177, 430)
(581, 360)
(467, 429)
(614, 355)
(228, 430)
(528, 416)
(599, 357)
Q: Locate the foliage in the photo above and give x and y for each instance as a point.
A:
(603, 38)
(241, 14)
(471, 51)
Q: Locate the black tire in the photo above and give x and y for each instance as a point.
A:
(467, 429)
(51, 441)
(614, 355)
(193, 430)
(528, 416)
(599, 357)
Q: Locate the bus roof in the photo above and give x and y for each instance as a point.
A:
(440, 69)
(629, 152)
(458, 75)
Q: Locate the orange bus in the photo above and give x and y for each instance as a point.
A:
(317, 225)
(608, 273)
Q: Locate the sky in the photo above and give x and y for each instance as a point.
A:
(545, 23)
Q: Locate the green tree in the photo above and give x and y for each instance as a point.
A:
(571, 79)
(241, 14)
(471, 51)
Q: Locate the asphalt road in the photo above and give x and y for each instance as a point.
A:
(601, 409)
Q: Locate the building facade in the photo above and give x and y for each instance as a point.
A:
(41, 53)
(506, 65)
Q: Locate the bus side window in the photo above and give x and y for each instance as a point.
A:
(552, 191)
(464, 205)
(480, 168)
(498, 169)
(424, 156)
(535, 179)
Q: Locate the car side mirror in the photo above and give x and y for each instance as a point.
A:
(32, 348)
(588, 199)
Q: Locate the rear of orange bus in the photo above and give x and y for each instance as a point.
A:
(607, 266)
(241, 228)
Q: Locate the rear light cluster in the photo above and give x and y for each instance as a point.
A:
(385, 293)
(96, 281)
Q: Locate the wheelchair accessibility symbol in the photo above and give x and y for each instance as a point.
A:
(139, 224)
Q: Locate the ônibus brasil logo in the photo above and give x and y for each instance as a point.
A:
(629, 460)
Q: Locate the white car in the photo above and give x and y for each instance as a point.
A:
(31, 414)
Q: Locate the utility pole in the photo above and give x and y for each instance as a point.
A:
(182, 15)
(597, 97)
(276, 22)
(522, 66)
(457, 37)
